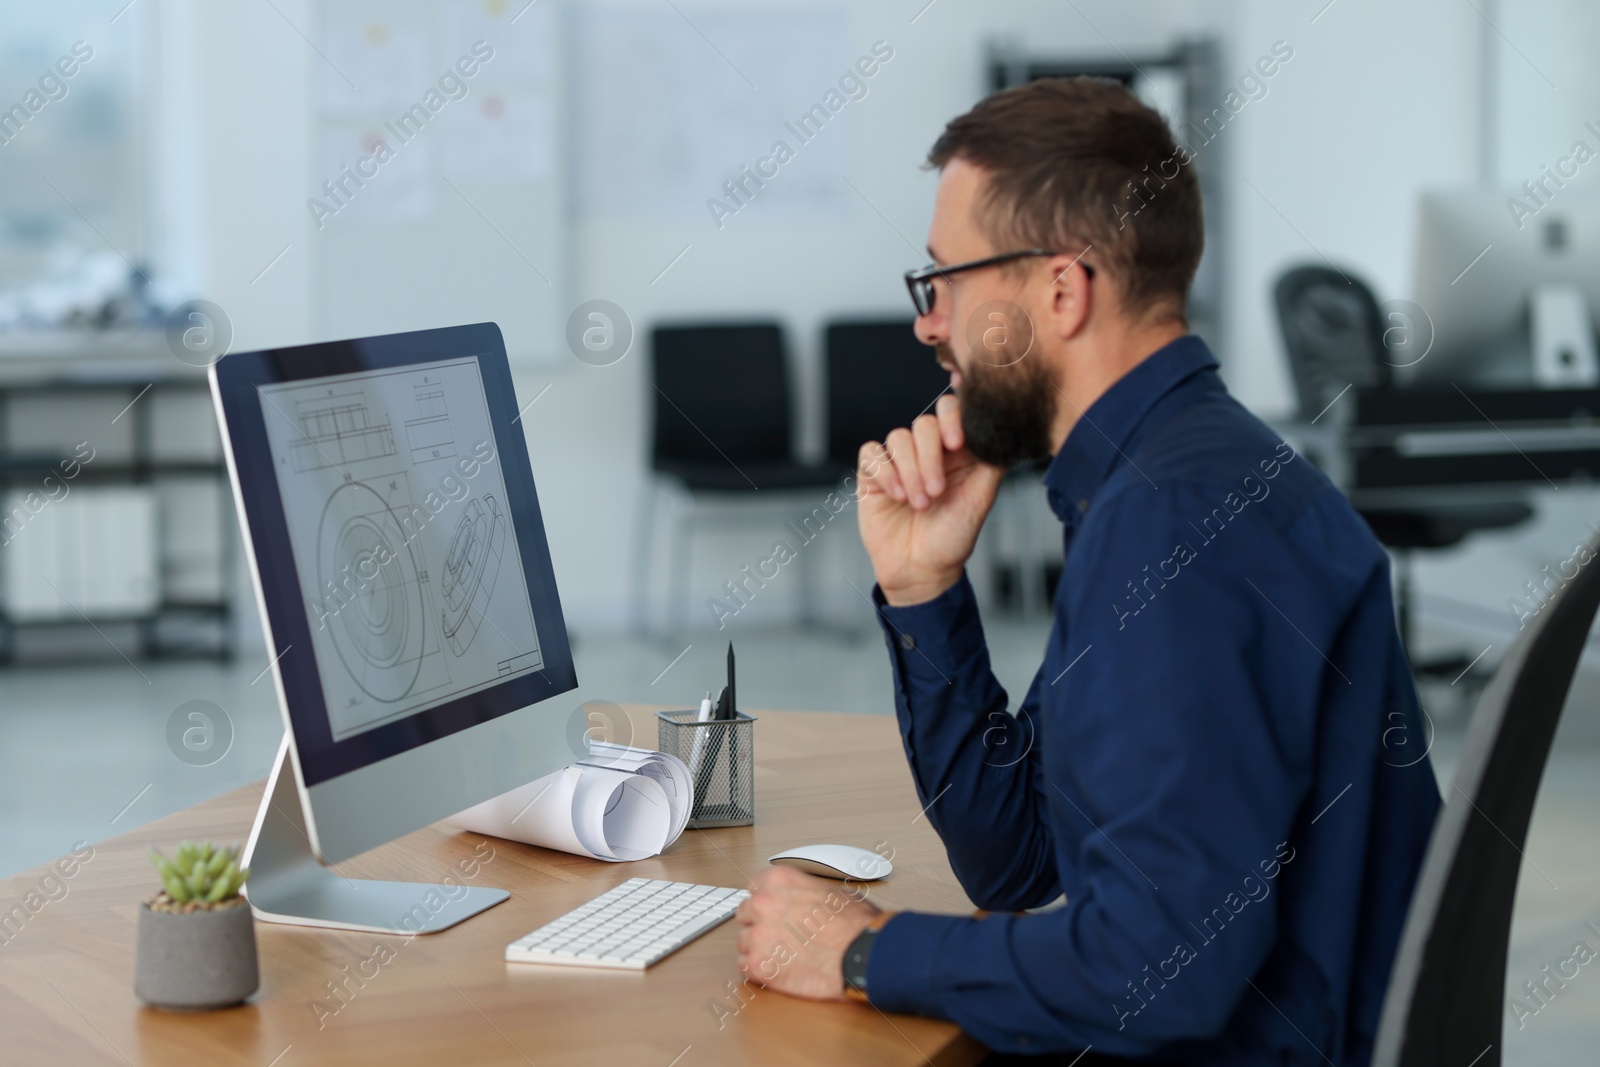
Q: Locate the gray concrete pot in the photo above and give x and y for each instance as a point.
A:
(198, 961)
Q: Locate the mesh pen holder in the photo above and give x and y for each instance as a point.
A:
(720, 755)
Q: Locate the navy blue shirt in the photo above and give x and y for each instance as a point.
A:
(1221, 762)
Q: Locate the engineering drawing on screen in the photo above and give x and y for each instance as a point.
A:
(401, 537)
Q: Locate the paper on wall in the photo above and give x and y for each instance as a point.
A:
(398, 189)
(620, 804)
(501, 139)
(524, 36)
(663, 117)
(371, 69)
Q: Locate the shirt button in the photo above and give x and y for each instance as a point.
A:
(908, 642)
(1083, 505)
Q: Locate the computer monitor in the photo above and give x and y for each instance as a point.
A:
(406, 590)
(1480, 258)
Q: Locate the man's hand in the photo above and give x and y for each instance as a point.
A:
(923, 500)
(794, 929)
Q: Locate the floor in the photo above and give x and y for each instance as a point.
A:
(89, 752)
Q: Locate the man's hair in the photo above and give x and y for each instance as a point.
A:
(1079, 162)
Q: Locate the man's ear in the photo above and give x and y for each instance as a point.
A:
(1071, 297)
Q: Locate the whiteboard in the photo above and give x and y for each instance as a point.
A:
(437, 191)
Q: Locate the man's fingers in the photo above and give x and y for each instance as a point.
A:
(903, 453)
(930, 453)
(785, 875)
(948, 409)
(874, 472)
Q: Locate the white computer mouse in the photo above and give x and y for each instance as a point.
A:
(835, 861)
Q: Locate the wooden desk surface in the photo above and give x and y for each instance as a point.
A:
(66, 975)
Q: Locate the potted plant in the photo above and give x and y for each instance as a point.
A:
(197, 939)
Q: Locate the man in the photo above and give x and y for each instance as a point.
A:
(1217, 764)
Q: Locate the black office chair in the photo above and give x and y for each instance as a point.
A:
(879, 377)
(721, 427)
(1333, 333)
(1447, 992)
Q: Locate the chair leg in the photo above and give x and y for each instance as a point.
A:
(989, 538)
(1030, 565)
(807, 591)
(643, 546)
(1402, 600)
(680, 571)
(1439, 667)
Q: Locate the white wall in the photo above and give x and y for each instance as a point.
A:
(233, 154)
(1380, 101)
(1547, 84)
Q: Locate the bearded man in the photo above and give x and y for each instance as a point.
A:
(1202, 767)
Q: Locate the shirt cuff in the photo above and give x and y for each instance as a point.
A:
(929, 641)
(906, 957)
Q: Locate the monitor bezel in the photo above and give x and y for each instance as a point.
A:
(235, 381)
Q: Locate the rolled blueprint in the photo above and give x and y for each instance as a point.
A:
(620, 804)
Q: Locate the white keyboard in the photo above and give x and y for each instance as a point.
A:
(631, 926)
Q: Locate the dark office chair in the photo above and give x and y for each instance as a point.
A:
(879, 377)
(721, 427)
(1333, 333)
(1446, 997)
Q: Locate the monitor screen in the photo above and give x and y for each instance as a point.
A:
(398, 547)
(399, 532)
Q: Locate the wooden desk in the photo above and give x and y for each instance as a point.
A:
(66, 976)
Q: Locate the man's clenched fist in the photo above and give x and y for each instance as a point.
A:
(923, 500)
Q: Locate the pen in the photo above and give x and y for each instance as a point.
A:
(697, 750)
(733, 735)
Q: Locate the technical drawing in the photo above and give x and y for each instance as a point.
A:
(415, 591)
(338, 429)
(470, 568)
(374, 591)
(429, 435)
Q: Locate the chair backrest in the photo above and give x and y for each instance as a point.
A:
(879, 377)
(721, 394)
(1333, 333)
(1446, 998)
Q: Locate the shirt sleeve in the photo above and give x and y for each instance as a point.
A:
(972, 760)
(1178, 754)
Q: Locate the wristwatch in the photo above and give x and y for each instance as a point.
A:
(855, 958)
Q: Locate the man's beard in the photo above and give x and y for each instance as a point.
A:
(1006, 412)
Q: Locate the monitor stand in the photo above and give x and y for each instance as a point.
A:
(288, 885)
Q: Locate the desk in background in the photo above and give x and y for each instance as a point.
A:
(1470, 440)
(66, 976)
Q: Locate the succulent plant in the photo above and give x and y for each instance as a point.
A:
(200, 873)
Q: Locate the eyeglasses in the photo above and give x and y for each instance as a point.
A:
(920, 282)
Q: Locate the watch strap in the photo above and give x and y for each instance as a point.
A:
(854, 964)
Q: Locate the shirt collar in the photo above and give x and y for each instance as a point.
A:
(1096, 440)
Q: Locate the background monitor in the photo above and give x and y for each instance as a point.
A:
(406, 589)
(1480, 257)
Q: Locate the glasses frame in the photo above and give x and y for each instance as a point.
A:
(919, 283)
